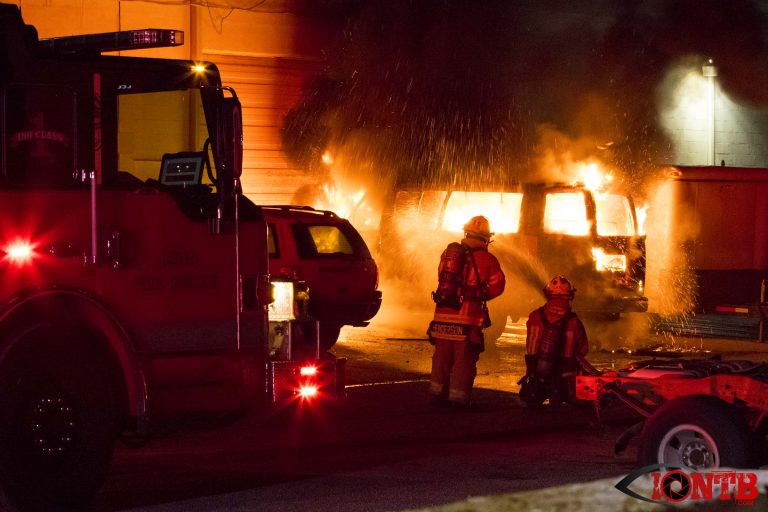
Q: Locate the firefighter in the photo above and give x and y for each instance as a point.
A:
(468, 276)
(556, 345)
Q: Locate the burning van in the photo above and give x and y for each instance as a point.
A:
(541, 230)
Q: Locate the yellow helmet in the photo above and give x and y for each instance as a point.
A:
(479, 227)
(559, 287)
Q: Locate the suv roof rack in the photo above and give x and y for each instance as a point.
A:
(297, 208)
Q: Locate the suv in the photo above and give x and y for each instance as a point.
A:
(326, 252)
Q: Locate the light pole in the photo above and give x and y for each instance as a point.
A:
(709, 71)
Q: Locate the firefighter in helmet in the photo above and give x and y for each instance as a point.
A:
(468, 276)
(556, 345)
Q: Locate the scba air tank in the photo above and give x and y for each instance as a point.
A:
(451, 277)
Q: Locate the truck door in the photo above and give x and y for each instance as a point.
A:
(44, 209)
(173, 280)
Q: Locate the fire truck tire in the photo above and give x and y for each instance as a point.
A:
(696, 432)
(58, 422)
(329, 335)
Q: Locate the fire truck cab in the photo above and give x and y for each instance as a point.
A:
(135, 279)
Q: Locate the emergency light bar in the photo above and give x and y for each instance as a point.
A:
(112, 41)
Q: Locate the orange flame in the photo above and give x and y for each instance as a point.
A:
(352, 206)
(502, 209)
(642, 214)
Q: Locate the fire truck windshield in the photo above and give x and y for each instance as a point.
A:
(151, 125)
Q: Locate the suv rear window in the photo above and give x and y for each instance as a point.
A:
(319, 240)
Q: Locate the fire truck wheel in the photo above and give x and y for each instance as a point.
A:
(329, 334)
(57, 422)
(696, 432)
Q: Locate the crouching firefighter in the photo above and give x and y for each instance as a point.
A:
(468, 277)
(556, 347)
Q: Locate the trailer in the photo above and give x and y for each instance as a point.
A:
(698, 414)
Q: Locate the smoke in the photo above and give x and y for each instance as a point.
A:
(458, 91)
(476, 94)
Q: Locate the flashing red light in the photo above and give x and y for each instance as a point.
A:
(19, 252)
(308, 391)
(308, 371)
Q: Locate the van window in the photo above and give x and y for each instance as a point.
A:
(566, 213)
(614, 215)
(502, 209)
(420, 207)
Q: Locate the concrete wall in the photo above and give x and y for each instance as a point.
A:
(740, 133)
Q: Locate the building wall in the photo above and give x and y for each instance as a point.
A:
(690, 118)
(268, 54)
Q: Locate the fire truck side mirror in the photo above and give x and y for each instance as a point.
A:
(229, 138)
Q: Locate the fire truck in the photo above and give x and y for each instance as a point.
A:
(135, 282)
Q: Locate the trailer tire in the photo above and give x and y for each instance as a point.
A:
(58, 421)
(697, 433)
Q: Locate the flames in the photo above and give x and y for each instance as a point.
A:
(502, 209)
(591, 175)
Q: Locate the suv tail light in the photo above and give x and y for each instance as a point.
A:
(290, 273)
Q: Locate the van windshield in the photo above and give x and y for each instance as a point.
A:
(566, 213)
(614, 215)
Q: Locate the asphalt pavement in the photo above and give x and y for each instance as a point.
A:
(387, 405)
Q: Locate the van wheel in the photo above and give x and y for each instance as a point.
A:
(57, 423)
(498, 325)
(697, 433)
(329, 335)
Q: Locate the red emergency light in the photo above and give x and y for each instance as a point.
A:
(308, 371)
(19, 252)
(112, 41)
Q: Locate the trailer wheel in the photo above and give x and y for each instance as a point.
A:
(57, 422)
(696, 432)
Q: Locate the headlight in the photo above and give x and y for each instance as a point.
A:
(609, 262)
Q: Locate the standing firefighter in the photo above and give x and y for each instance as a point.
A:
(556, 344)
(468, 276)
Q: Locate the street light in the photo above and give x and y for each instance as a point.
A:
(709, 71)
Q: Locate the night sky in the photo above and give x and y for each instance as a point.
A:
(482, 91)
